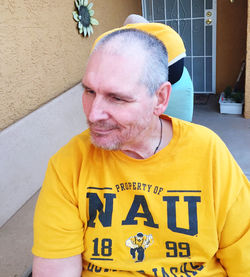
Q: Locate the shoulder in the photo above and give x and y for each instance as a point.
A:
(192, 133)
(77, 146)
(69, 158)
(202, 144)
(202, 148)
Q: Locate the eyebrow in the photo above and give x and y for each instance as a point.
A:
(84, 86)
(121, 95)
(116, 94)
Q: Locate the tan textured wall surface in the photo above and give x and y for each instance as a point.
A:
(41, 53)
(231, 41)
(247, 87)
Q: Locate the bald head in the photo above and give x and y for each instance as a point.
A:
(132, 42)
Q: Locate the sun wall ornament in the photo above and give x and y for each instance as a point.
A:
(84, 17)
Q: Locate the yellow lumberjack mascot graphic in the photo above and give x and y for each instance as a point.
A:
(139, 243)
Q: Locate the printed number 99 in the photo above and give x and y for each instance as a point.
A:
(176, 249)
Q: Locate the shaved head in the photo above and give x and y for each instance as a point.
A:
(132, 42)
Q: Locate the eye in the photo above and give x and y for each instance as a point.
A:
(118, 99)
(89, 91)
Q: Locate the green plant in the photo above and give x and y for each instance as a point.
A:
(235, 96)
(228, 92)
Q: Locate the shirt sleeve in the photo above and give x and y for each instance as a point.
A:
(58, 228)
(234, 211)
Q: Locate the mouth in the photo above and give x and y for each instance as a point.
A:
(102, 128)
(101, 131)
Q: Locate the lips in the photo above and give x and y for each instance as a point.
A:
(101, 131)
(101, 128)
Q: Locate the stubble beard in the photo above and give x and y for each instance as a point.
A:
(106, 142)
(106, 145)
(117, 141)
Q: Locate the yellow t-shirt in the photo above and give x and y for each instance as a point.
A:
(182, 212)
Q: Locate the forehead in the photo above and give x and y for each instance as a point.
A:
(107, 68)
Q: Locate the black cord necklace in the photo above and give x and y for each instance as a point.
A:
(160, 137)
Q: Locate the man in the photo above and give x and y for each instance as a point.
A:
(136, 171)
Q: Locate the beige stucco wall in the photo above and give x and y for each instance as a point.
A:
(41, 53)
(247, 87)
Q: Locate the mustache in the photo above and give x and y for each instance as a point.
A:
(102, 125)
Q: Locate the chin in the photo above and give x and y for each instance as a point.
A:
(105, 143)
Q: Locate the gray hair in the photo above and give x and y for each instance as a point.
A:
(155, 71)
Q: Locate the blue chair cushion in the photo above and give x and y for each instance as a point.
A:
(181, 102)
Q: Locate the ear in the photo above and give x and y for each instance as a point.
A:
(162, 94)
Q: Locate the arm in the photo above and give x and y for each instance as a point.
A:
(66, 267)
(58, 227)
(234, 248)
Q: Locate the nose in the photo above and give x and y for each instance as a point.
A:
(98, 110)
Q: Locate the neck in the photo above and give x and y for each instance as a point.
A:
(157, 138)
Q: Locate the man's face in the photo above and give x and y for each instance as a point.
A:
(118, 108)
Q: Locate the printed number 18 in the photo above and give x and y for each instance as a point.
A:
(106, 247)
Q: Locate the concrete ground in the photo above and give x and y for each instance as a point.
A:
(16, 234)
(16, 241)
